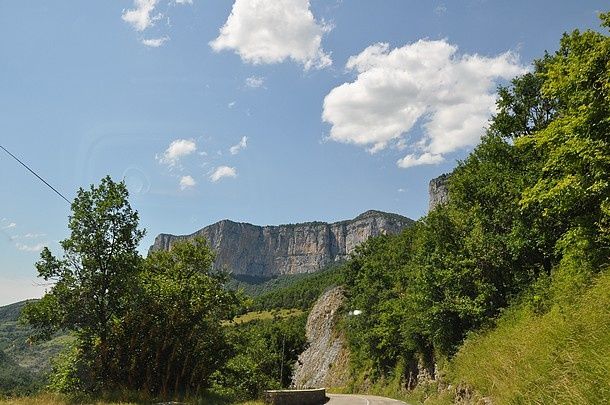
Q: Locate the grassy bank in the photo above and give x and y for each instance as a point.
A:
(562, 356)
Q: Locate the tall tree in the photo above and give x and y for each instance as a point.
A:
(573, 192)
(171, 339)
(96, 273)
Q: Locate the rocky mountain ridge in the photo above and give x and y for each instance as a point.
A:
(438, 193)
(243, 248)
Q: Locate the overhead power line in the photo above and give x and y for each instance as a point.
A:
(35, 174)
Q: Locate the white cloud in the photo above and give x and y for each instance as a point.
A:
(423, 159)
(155, 42)
(426, 82)
(231, 104)
(184, 1)
(140, 17)
(254, 82)
(222, 172)
(187, 182)
(176, 150)
(271, 31)
(9, 226)
(243, 143)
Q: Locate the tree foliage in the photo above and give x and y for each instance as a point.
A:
(171, 339)
(264, 353)
(94, 278)
(301, 293)
(151, 325)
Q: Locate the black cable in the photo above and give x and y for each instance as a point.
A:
(35, 174)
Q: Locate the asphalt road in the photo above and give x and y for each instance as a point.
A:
(344, 399)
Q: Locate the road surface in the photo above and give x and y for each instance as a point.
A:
(344, 399)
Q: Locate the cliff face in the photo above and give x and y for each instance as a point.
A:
(325, 363)
(437, 191)
(288, 249)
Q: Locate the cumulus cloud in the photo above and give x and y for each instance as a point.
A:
(243, 143)
(271, 31)
(221, 172)
(450, 96)
(177, 150)
(254, 82)
(140, 17)
(187, 182)
(9, 226)
(155, 42)
(423, 159)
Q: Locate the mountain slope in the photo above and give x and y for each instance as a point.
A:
(34, 358)
(253, 250)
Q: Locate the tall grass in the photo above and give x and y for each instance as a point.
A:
(561, 357)
(56, 399)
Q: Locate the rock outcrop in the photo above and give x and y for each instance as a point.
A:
(437, 191)
(325, 362)
(253, 250)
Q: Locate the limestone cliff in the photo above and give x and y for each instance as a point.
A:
(243, 248)
(325, 363)
(437, 191)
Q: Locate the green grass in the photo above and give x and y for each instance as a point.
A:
(562, 356)
(56, 399)
(559, 357)
(263, 315)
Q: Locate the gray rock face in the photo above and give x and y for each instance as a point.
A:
(326, 360)
(437, 191)
(288, 249)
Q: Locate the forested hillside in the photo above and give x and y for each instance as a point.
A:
(298, 292)
(527, 225)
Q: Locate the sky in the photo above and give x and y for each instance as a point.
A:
(261, 111)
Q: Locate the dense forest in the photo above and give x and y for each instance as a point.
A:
(520, 251)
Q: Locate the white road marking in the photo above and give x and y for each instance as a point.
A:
(367, 401)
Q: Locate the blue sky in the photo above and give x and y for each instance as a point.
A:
(263, 111)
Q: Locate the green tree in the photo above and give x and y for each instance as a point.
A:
(171, 340)
(96, 275)
(264, 353)
(572, 194)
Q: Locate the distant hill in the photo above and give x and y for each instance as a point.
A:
(34, 359)
(11, 312)
(266, 251)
